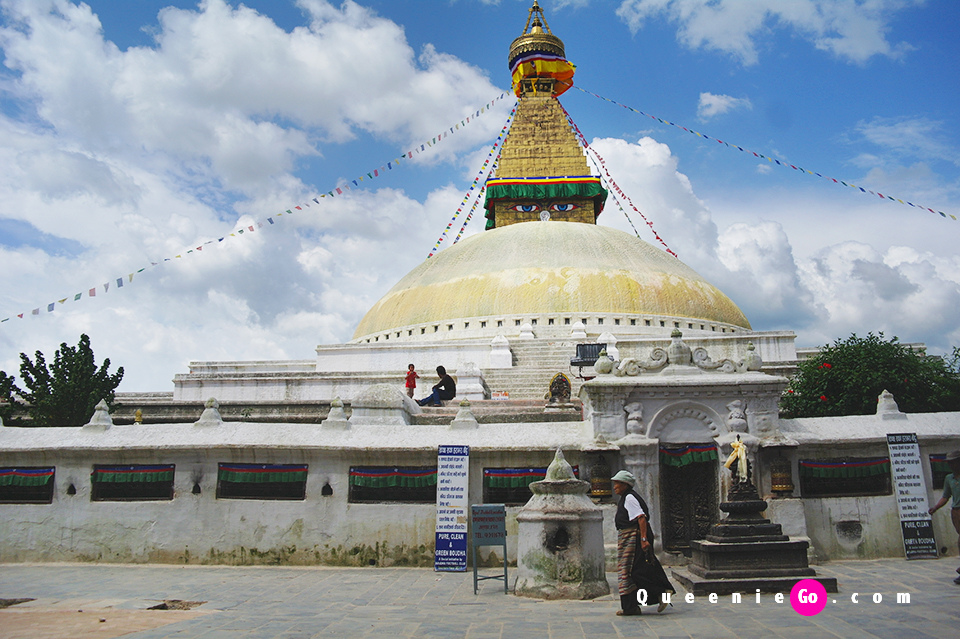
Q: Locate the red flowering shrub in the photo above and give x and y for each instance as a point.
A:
(865, 367)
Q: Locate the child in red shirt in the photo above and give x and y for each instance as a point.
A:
(411, 380)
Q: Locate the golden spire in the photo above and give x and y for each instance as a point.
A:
(537, 60)
(536, 38)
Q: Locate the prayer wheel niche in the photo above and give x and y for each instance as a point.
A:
(781, 476)
(600, 485)
(560, 545)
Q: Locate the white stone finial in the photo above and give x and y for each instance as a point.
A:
(337, 417)
(887, 407)
(465, 418)
(611, 342)
(526, 331)
(579, 330)
(559, 469)
(678, 353)
(752, 362)
(211, 414)
(101, 419)
(604, 365)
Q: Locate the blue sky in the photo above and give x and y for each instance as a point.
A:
(131, 132)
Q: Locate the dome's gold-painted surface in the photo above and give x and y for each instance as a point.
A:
(549, 267)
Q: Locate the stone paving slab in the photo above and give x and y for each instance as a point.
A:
(394, 603)
(103, 623)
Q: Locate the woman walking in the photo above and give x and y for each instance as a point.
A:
(637, 566)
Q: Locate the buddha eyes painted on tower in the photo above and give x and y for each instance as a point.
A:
(560, 207)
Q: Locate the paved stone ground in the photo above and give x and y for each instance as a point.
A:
(287, 603)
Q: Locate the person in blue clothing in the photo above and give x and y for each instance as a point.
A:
(443, 390)
(951, 491)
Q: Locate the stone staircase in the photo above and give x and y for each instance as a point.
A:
(489, 411)
(535, 362)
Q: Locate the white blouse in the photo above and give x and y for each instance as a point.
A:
(633, 507)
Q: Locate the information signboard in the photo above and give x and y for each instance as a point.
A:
(488, 526)
(453, 478)
(911, 493)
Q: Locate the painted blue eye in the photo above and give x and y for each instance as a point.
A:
(526, 208)
(563, 208)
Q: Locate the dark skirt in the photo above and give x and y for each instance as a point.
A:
(638, 569)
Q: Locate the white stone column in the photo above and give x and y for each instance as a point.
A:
(470, 384)
(641, 457)
(603, 407)
(500, 354)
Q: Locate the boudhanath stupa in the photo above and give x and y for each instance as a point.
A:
(513, 302)
(561, 333)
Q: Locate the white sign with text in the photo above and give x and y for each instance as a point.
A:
(453, 480)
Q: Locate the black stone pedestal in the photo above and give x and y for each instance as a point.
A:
(746, 552)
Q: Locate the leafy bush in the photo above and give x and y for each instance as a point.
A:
(64, 393)
(847, 377)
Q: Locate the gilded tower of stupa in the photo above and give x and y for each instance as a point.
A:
(542, 173)
(543, 261)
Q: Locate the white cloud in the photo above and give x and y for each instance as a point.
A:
(711, 105)
(647, 172)
(751, 263)
(124, 158)
(828, 289)
(761, 270)
(854, 31)
(862, 289)
(230, 91)
(920, 138)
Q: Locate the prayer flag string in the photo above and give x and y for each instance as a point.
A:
(476, 188)
(774, 160)
(258, 224)
(476, 201)
(614, 187)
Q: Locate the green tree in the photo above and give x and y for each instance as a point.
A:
(847, 377)
(7, 401)
(953, 360)
(66, 392)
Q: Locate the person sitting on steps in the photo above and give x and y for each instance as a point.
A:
(444, 390)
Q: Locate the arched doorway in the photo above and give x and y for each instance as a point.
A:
(688, 494)
(689, 484)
